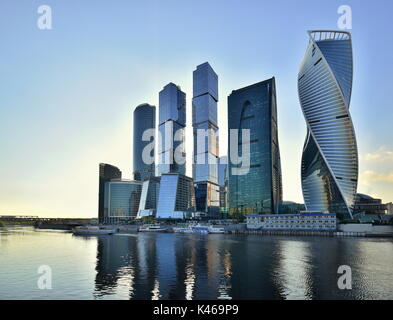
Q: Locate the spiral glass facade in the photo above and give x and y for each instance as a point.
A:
(329, 169)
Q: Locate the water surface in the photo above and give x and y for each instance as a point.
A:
(182, 266)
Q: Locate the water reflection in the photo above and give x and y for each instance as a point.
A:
(168, 266)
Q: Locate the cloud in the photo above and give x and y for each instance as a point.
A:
(382, 154)
(370, 176)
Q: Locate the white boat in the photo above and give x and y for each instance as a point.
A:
(216, 229)
(92, 230)
(152, 228)
(183, 230)
(201, 229)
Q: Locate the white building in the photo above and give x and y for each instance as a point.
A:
(389, 207)
(313, 221)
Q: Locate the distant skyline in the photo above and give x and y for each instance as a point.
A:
(68, 94)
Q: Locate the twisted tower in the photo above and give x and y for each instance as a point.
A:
(329, 169)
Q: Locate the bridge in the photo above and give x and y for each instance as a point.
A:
(47, 223)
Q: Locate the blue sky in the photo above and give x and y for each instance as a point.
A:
(67, 94)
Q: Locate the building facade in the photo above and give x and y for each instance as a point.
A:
(206, 150)
(144, 119)
(290, 207)
(313, 221)
(329, 168)
(259, 190)
(389, 207)
(223, 183)
(121, 200)
(171, 127)
(106, 173)
(149, 197)
(369, 205)
(176, 197)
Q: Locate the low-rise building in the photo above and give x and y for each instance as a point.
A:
(313, 221)
(121, 201)
(176, 197)
(389, 207)
(149, 197)
(368, 205)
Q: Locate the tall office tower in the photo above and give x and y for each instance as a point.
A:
(176, 197)
(106, 173)
(121, 200)
(205, 156)
(257, 188)
(329, 169)
(171, 127)
(144, 119)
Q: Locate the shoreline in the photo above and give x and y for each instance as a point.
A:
(133, 229)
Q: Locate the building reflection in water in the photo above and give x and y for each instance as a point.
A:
(172, 266)
(115, 272)
(293, 274)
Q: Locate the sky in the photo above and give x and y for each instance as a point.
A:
(67, 94)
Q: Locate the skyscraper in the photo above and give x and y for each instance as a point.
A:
(106, 173)
(259, 190)
(144, 119)
(329, 169)
(205, 155)
(171, 126)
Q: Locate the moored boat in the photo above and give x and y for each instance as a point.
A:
(152, 228)
(201, 229)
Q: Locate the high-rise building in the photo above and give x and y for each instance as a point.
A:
(205, 155)
(106, 173)
(329, 169)
(258, 187)
(144, 119)
(121, 200)
(171, 127)
(176, 197)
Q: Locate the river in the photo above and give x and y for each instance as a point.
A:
(184, 266)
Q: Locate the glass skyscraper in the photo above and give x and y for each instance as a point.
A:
(171, 126)
(121, 200)
(260, 189)
(329, 169)
(144, 119)
(106, 173)
(205, 155)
